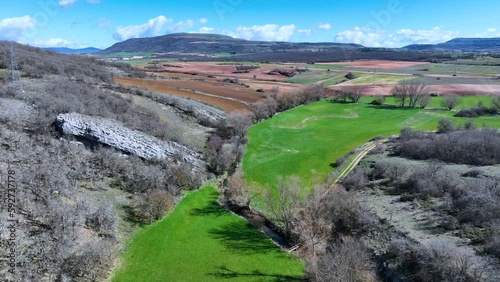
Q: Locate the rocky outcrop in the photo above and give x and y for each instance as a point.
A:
(114, 134)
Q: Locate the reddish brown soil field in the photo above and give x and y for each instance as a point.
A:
(379, 64)
(460, 89)
(217, 69)
(223, 89)
(167, 87)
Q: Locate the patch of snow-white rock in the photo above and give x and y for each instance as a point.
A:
(114, 134)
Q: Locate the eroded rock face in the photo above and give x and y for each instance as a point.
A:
(114, 134)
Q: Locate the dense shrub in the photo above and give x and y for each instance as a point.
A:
(356, 179)
(473, 147)
(347, 261)
(477, 111)
(438, 262)
(154, 205)
(378, 101)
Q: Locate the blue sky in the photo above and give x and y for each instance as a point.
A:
(378, 23)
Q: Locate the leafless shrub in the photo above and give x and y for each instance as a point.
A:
(347, 261)
(102, 221)
(154, 205)
(474, 147)
(356, 179)
(450, 101)
(92, 263)
(437, 262)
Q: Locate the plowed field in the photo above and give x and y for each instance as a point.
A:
(227, 96)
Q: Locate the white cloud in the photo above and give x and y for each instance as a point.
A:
(359, 35)
(13, 28)
(153, 27)
(435, 35)
(268, 32)
(382, 38)
(305, 32)
(492, 29)
(206, 29)
(66, 3)
(325, 26)
(53, 42)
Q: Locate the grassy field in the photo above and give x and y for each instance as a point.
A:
(201, 241)
(308, 140)
(312, 77)
(380, 78)
(462, 68)
(465, 101)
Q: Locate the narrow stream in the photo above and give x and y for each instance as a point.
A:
(261, 223)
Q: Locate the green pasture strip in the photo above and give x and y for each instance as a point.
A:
(201, 241)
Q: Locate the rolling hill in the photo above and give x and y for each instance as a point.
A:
(214, 43)
(460, 44)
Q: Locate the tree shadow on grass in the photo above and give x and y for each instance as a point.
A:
(225, 273)
(242, 238)
(211, 209)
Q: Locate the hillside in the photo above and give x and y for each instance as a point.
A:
(460, 44)
(214, 43)
(81, 190)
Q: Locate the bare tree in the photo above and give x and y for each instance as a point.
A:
(240, 122)
(355, 93)
(348, 261)
(238, 191)
(311, 221)
(283, 201)
(450, 101)
(410, 92)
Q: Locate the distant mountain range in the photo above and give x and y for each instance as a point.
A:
(214, 43)
(63, 50)
(461, 45)
(189, 43)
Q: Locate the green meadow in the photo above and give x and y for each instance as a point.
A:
(308, 140)
(201, 241)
